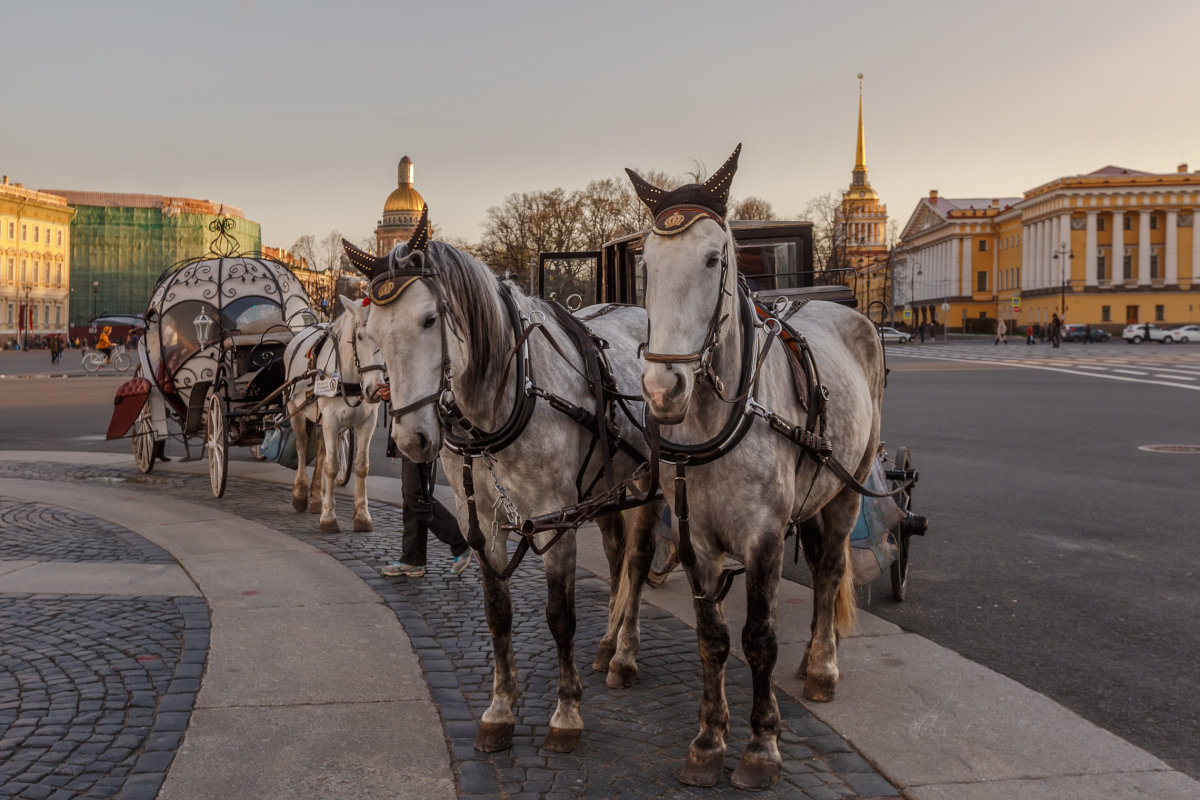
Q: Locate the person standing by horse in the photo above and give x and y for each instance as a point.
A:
(1001, 333)
(422, 514)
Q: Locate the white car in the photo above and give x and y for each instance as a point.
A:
(893, 335)
(1136, 334)
(1184, 333)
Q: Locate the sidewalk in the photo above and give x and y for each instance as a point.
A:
(322, 680)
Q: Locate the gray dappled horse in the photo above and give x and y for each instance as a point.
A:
(445, 329)
(700, 384)
(330, 348)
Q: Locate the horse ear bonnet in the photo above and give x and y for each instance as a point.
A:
(366, 263)
(387, 286)
(675, 211)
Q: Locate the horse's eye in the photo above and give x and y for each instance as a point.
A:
(713, 260)
(432, 318)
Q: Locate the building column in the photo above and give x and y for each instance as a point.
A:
(952, 269)
(1195, 249)
(1026, 248)
(968, 266)
(1089, 252)
(1172, 250)
(1143, 274)
(1118, 248)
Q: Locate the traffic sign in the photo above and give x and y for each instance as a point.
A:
(907, 314)
(1016, 302)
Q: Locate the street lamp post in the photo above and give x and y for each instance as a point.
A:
(1062, 255)
(28, 316)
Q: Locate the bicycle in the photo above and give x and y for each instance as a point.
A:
(93, 360)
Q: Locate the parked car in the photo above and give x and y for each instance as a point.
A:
(1076, 333)
(1136, 334)
(893, 335)
(1184, 333)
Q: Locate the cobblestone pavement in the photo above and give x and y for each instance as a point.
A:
(634, 739)
(95, 691)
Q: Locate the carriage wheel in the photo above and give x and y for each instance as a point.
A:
(144, 440)
(904, 500)
(216, 444)
(345, 456)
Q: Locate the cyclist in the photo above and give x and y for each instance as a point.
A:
(104, 344)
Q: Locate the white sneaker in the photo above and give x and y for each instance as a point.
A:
(460, 563)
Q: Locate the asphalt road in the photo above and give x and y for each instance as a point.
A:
(1060, 554)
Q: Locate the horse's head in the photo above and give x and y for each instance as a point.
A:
(403, 332)
(691, 283)
(347, 332)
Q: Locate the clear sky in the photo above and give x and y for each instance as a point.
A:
(298, 111)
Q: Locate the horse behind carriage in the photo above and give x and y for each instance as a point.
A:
(211, 363)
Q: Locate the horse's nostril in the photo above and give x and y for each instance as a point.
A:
(422, 441)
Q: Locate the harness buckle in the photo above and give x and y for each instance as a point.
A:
(537, 317)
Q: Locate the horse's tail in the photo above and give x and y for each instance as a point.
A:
(632, 573)
(846, 608)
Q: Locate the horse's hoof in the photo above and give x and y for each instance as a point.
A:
(299, 503)
(818, 689)
(703, 771)
(562, 740)
(604, 654)
(329, 526)
(754, 773)
(494, 736)
(621, 675)
(362, 525)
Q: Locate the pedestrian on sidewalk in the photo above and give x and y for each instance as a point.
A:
(422, 514)
(1087, 334)
(1029, 335)
(1001, 333)
(1055, 330)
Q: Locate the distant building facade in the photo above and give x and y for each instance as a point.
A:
(121, 243)
(35, 263)
(860, 238)
(1110, 248)
(401, 211)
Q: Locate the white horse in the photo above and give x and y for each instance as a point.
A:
(701, 384)
(330, 349)
(446, 327)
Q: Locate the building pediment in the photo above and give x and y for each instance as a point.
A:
(923, 219)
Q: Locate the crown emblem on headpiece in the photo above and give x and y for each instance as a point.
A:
(387, 287)
(673, 221)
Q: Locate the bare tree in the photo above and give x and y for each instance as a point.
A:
(752, 208)
(824, 213)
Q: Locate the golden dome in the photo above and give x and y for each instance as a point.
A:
(404, 198)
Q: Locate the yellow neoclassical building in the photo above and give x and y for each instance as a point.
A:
(1109, 248)
(860, 237)
(35, 263)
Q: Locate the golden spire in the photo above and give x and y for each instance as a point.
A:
(860, 155)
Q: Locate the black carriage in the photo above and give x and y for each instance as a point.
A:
(776, 260)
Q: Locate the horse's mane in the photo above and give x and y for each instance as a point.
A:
(469, 290)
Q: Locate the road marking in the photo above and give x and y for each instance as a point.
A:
(1043, 366)
(1176, 377)
(1130, 372)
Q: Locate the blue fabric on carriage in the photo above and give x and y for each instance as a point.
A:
(871, 549)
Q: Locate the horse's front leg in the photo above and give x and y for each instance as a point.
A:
(566, 724)
(760, 763)
(317, 486)
(327, 463)
(362, 465)
(300, 485)
(705, 764)
(826, 550)
(617, 653)
(496, 728)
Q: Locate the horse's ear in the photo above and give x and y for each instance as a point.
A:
(720, 181)
(647, 192)
(420, 237)
(349, 305)
(364, 262)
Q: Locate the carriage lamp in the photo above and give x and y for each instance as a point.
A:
(203, 325)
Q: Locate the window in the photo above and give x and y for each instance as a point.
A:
(1160, 313)
(1106, 313)
(1128, 267)
(1128, 222)
(58, 316)
(59, 238)
(1154, 266)
(12, 230)
(983, 245)
(58, 274)
(1153, 222)
(10, 314)
(24, 270)
(46, 273)
(45, 316)
(36, 233)
(24, 233)
(1101, 223)
(12, 272)
(1131, 315)
(1101, 268)
(981, 281)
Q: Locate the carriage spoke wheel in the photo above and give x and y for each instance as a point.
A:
(216, 444)
(143, 440)
(345, 456)
(904, 500)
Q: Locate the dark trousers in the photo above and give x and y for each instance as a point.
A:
(423, 514)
